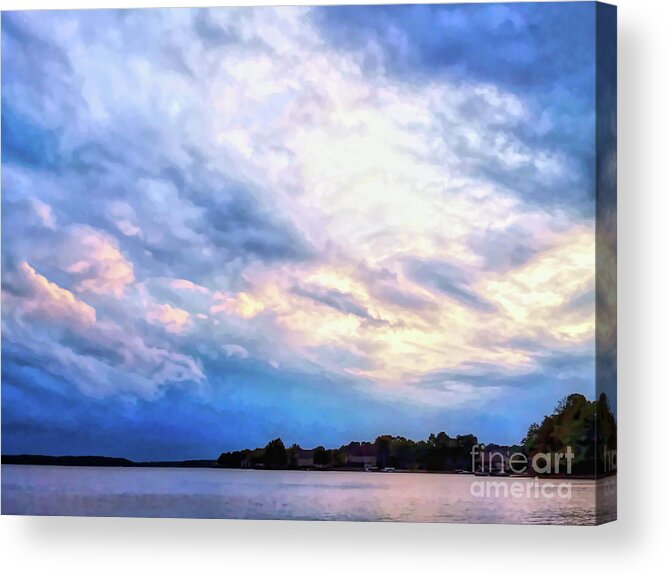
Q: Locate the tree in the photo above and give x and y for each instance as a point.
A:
(383, 449)
(275, 454)
(232, 459)
(321, 456)
(530, 438)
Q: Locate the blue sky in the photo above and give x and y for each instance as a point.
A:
(226, 225)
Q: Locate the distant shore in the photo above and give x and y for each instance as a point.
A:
(99, 461)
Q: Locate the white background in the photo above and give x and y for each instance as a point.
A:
(635, 543)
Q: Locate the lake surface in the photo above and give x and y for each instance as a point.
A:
(330, 495)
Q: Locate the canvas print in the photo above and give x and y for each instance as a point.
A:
(314, 263)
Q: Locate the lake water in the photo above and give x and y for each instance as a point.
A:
(332, 495)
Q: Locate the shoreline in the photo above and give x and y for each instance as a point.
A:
(113, 462)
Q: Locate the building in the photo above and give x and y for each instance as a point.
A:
(304, 457)
(363, 454)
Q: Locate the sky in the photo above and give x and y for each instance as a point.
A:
(221, 226)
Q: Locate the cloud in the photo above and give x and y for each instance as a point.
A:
(234, 350)
(335, 299)
(536, 296)
(123, 217)
(183, 284)
(44, 213)
(243, 305)
(65, 337)
(394, 296)
(174, 319)
(29, 295)
(448, 280)
(95, 262)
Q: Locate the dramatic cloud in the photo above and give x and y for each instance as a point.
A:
(173, 319)
(244, 212)
(63, 335)
(95, 262)
(29, 295)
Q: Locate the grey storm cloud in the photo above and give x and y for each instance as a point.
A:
(447, 279)
(344, 302)
(504, 249)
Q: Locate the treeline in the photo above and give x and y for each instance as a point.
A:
(588, 427)
(99, 461)
(583, 425)
(438, 453)
(67, 460)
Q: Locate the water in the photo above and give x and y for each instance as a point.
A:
(251, 494)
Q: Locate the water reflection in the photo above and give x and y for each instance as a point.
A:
(213, 493)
